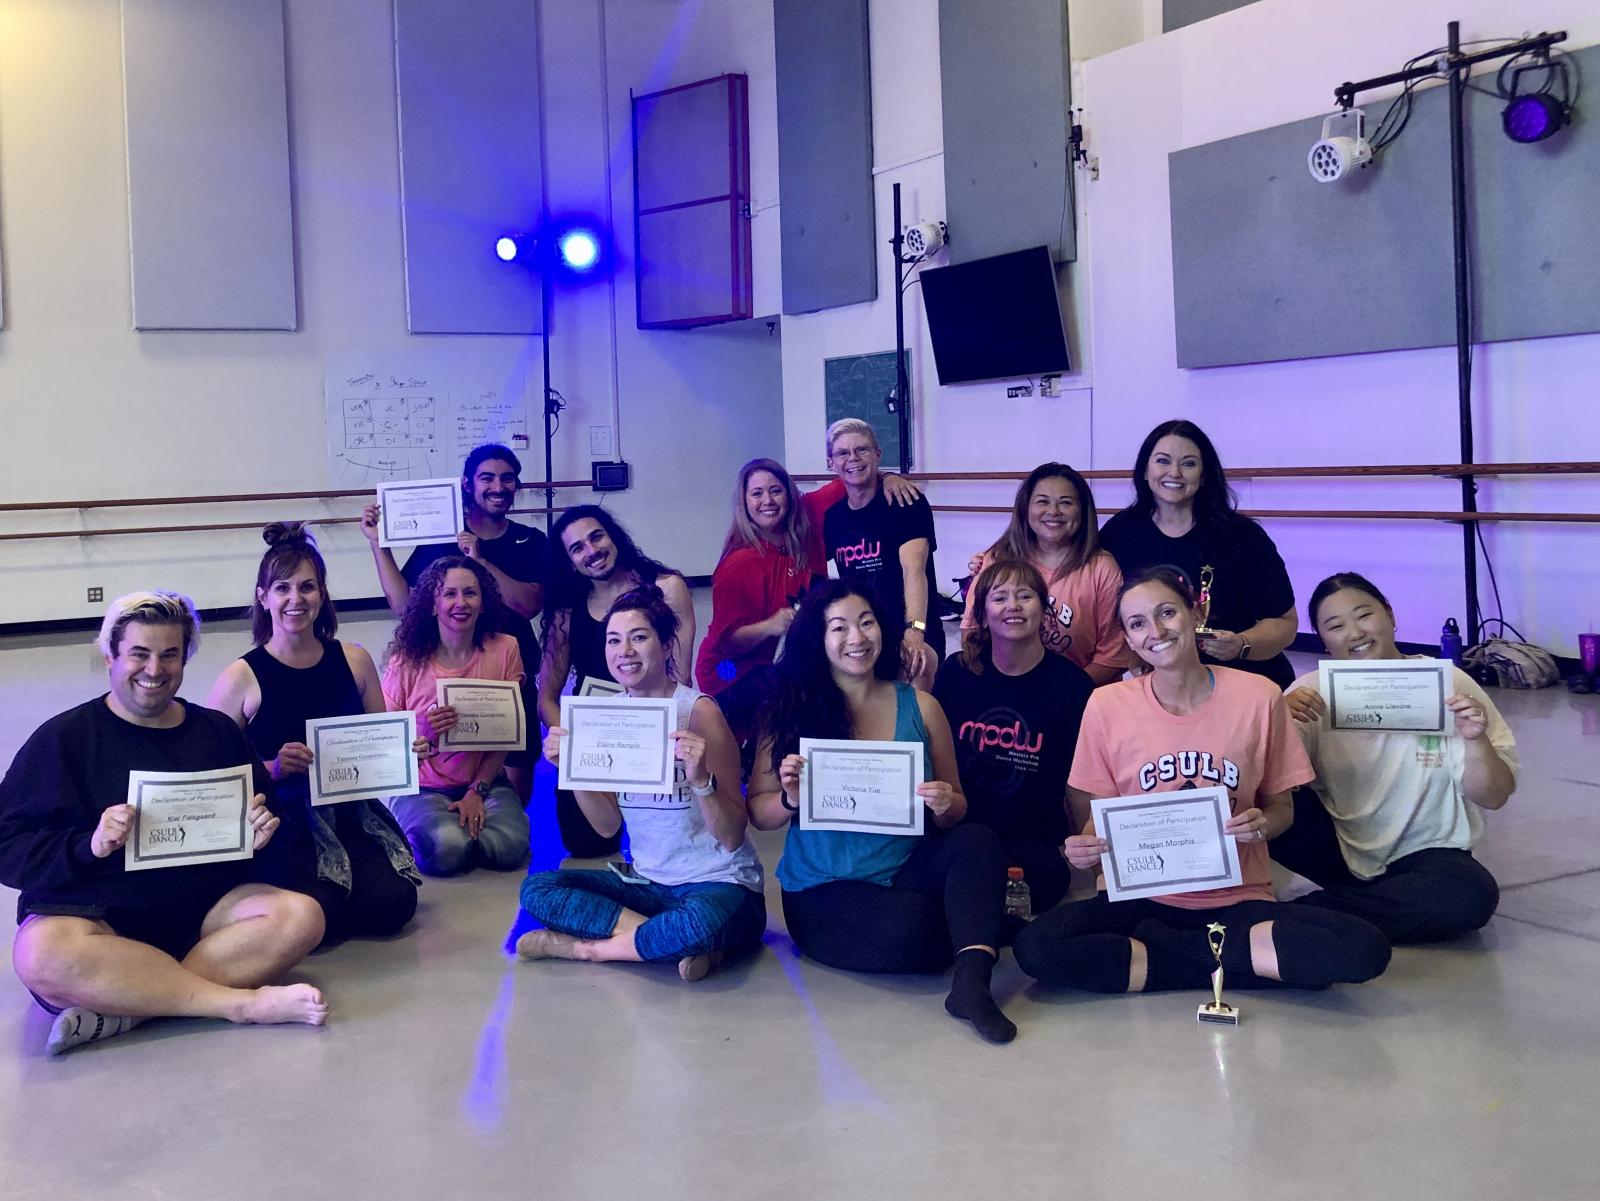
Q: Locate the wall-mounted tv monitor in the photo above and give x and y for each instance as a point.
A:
(995, 318)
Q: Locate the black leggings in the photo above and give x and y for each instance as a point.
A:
(380, 902)
(577, 835)
(949, 895)
(1087, 945)
(1426, 896)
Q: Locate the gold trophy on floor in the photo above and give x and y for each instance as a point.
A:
(1217, 1012)
(1208, 574)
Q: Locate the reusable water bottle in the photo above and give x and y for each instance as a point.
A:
(1450, 641)
(1019, 898)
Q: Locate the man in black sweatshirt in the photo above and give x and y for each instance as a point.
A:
(104, 948)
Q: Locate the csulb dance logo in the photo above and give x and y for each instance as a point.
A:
(865, 554)
(1197, 768)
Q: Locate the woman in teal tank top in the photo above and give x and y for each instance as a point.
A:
(877, 902)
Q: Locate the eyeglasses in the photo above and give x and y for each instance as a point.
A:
(858, 452)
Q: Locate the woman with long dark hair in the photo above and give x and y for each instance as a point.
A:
(869, 902)
(1387, 828)
(366, 878)
(1014, 709)
(1054, 527)
(467, 812)
(1185, 514)
(695, 891)
(1186, 725)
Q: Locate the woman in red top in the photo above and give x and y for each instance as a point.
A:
(1185, 725)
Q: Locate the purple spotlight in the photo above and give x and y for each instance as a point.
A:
(1533, 117)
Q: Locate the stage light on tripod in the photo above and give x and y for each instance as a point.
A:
(579, 250)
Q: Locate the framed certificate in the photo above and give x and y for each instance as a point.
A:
(866, 787)
(182, 818)
(490, 716)
(618, 743)
(364, 757)
(1164, 843)
(412, 512)
(592, 686)
(1387, 694)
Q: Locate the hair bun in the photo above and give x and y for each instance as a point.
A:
(280, 532)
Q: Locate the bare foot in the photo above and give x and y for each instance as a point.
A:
(272, 1006)
(697, 967)
(547, 944)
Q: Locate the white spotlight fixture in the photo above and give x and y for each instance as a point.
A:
(925, 238)
(1342, 148)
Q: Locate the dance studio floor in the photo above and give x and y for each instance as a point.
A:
(450, 1070)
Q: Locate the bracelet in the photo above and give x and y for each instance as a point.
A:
(783, 799)
(1244, 650)
(711, 785)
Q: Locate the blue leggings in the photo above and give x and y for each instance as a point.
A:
(681, 919)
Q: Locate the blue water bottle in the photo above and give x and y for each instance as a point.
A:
(1450, 641)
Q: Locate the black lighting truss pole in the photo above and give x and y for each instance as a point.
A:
(902, 397)
(549, 409)
(1457, 67)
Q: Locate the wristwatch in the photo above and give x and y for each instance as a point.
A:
(1244, 649)
(711, 785)
(920, 626)
(481, 789)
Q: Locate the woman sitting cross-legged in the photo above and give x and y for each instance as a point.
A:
(868, 902)
(1186, 725)
(1388, 827)
(467, 812)
(695, 892)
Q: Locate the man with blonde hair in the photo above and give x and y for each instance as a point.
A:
(103, 948)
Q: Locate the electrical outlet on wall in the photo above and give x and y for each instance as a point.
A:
(1049, 385)
(96, 596)
(1017, 390)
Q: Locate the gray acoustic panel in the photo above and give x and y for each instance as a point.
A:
(1007, 120)
(468, 82)
(210, 213)
(827, 243)
(1268, 264)
(1175, 14)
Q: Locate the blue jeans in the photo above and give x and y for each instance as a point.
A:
(681, 919)
(444, 848)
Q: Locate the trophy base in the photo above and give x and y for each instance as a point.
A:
(1203, 631)
(1217, 1014)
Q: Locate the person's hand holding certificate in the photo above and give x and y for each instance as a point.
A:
(489, 715)
(1406, 695)
(364, 757)
(617, 744)
(1164, 843)
(413, 512)
(866, 787)
(181, 818)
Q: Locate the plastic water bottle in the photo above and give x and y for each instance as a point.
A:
(1450, 641)
(1019, 899)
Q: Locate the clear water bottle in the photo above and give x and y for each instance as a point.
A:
(1450, 641)
(1019, 900)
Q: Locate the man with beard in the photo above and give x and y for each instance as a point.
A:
(593, 562)
(513, 553)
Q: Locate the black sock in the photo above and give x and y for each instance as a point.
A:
(971, 999)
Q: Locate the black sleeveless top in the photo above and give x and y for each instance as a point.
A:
(290, 696)
(586, 646)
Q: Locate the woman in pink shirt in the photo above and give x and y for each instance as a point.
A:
(1185, 725)
(467, 812)
(1055, 528)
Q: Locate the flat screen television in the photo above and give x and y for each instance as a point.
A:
(994, 318)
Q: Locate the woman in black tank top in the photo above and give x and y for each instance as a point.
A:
(366, 880)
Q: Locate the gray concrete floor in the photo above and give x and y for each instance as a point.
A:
(448, 1069)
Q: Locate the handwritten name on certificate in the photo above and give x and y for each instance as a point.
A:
(412, 512)
(1164, 843)
(867, 787)
(181, 818)
(489, 715)
(618, 743)
(364, 757)
(1387, 694)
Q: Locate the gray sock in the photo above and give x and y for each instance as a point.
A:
(76, 1026)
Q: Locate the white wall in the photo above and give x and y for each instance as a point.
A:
(1147, 94)
(94, 410)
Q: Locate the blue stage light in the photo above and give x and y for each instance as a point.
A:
(1532, 117)
(580, 249)
(506, 249)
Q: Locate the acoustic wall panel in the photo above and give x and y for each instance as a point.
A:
(1268, 264)
(468, 82)
(691, 195)
(211, 226)
(827, 244)
(1175, 14)
(1007, 121)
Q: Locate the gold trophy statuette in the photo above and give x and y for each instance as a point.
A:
(1217, 1012)
(1208, 575)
